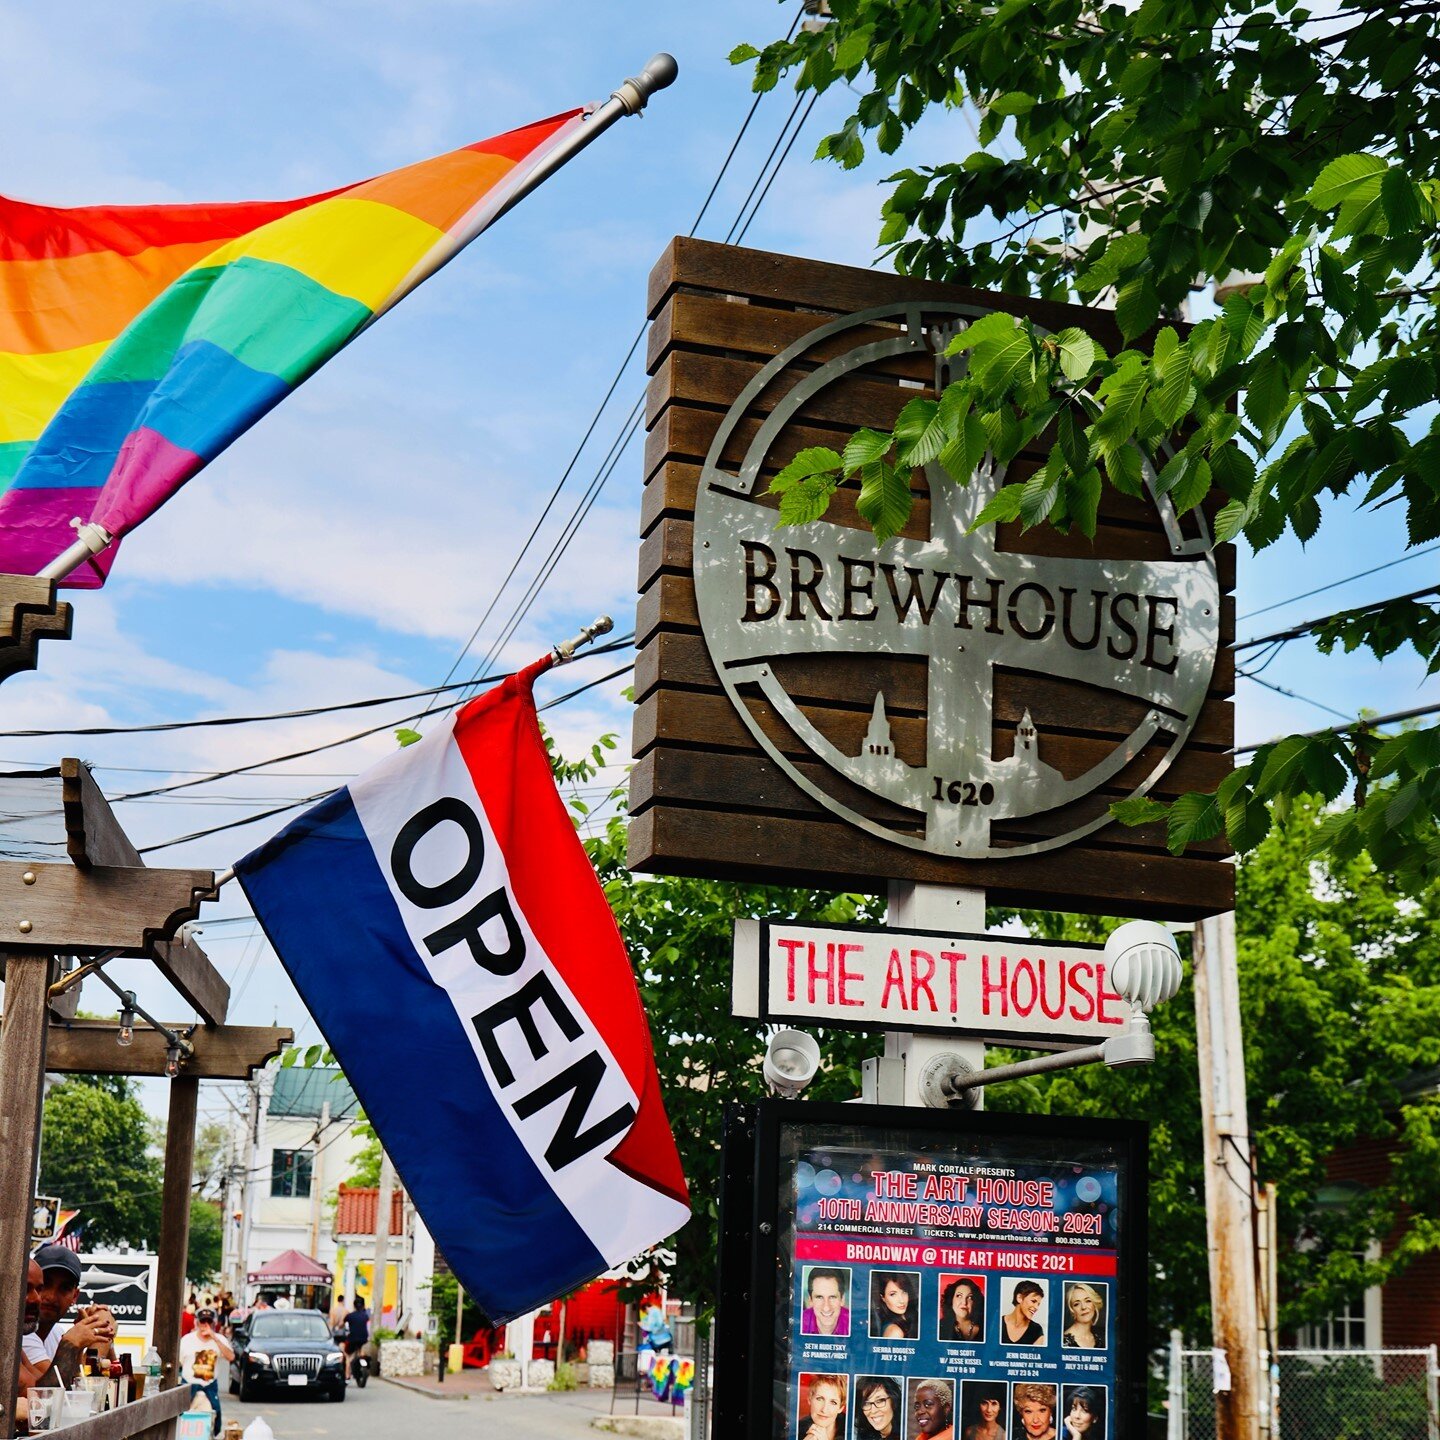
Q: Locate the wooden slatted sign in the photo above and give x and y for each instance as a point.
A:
(954, 706)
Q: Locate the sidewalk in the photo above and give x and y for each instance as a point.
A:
(464, 1386)
(475, 1385)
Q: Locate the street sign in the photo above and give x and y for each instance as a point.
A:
(951, 707)
(933, 1262)
(1003, 988)
(44, 1219)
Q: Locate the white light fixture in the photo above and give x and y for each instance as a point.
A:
(1143, 963)
(127, 1019)
(791, 1059)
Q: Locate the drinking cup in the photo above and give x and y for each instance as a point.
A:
(43, 1406)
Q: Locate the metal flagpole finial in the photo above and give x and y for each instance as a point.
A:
(565, 650)
(660, 70)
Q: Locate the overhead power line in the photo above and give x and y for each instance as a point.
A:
(226, 720)
(321, 794)
(394, 723)
(1368, 723)
(600, 409)
(1335, 584)
(1296, 631)
(223, 720)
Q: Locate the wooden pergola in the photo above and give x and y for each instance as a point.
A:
(98, 902)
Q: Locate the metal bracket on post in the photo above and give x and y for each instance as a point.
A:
(920, 1069)
(938, 1083)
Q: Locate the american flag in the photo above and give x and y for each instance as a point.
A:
(71, 1229)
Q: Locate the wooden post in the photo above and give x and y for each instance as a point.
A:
(1229, 1213)
(382, 1244)
(175, 1225)
(22, 1094)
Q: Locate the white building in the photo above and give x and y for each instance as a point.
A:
(295, 1149)
(296, 1145)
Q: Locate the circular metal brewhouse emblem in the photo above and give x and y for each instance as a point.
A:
(808, 625)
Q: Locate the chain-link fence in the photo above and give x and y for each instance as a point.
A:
(1318, 1395)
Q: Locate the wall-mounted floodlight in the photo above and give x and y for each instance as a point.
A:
(1144, 965)
(791, 1059)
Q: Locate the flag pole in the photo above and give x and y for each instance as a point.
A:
(565, 650)
(628, 98)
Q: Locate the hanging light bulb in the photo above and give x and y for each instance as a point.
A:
(127, 1019)
(172, 1061)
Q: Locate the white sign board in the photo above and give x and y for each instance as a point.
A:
(1005, 988)
(124, 1281)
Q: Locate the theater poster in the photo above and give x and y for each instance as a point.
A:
(927, 1275)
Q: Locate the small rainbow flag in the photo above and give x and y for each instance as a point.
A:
(138, 341)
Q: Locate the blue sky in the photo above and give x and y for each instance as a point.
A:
(347, 546)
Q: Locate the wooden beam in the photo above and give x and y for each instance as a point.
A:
(175, 1225)
(29, 613)
(54, 906)
(187, 967)
(22, 1093)
(228, 1052)
(93, 836)
(152, 1418)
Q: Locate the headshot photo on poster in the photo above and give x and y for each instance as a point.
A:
(962, 1309)
(823, 1402)
(1087, 1315)
(1083, 1410)
(1034, 1407)
(879, 1407)
(894, 1304)
(825, 1300)
(932, 1410)
(984, 1410)
(1026, 1320)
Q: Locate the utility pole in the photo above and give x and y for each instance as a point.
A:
(247, 1185)
(382, 1241)
(1229, 1185)
(317, 1178)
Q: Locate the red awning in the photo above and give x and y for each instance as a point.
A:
(291, 1268)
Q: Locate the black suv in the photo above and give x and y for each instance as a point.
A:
(286, 1349)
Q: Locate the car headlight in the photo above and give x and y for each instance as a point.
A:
(334, 1359)
(259, 1357)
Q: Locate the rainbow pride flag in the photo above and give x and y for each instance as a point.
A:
(138, 341)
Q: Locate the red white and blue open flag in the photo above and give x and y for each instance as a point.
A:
(443, 924)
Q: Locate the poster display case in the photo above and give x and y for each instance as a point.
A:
(894, 1274)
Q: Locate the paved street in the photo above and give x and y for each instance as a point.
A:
(388, 1412)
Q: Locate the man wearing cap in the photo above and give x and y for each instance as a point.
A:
(200, 1353)
(59, 1354)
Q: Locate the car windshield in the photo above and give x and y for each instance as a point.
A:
(289, 1327)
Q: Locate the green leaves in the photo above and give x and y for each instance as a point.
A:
(1078, 354)
(1269, 399)
(885, 499)
(806, 484)
(1148, 150)
(1137, 307)
(865, 447)
(1122, 253)
(1341, 178)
